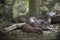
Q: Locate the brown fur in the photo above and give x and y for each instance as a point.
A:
(30, 29)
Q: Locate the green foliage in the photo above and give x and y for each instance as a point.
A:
(19, 7)
(26, 0)
(43, 8)
(9, 2)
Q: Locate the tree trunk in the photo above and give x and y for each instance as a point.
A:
(33, 8)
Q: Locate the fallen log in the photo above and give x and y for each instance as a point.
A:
(55, 20)
(14, 26)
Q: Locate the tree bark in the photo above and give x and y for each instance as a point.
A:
(32, 8)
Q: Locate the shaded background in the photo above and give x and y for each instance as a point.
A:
(17, 11)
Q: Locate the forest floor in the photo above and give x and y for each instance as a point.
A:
(19, 35)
